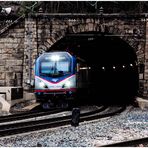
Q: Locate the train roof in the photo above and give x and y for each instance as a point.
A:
(55, 52)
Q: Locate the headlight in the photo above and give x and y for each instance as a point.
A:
(55, 58)
(68, 84)
(42, 84)
(39, 84)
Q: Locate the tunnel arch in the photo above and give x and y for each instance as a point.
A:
(73, 42)
(104, 50)
(91, 25)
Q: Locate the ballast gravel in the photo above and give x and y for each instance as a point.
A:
(130, 124)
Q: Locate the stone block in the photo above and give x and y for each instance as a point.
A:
(3, 40)
(18, 35)
(9, 75)
(19, 30)
(82, 28)
(19, 82)
(10, 82)
(91, 26)
(10, 69)
(9, 41)
(5, 56)
(11, 62)
(88, 20)
(19, 62)
(2, 82)
(7, 50)
(49, 41)
(2, 68)
(18, 68)
(2, 75)
(146, 77)
(2, 62)
(142, 103)
(86, 27)
(5, 106)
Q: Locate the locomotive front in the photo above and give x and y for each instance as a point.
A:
(55, 76)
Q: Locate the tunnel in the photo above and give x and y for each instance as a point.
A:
(112, 60)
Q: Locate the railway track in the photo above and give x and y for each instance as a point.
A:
(29, 114)
(16, 128)
(132, 143)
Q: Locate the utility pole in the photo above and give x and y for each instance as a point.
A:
(30, 54)
(30, 43)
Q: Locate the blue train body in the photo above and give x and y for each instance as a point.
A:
(55, 75)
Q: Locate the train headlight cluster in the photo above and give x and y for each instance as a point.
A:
(55, 58)
(68, 84)
(41, 84)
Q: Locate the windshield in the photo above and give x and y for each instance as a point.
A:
(55, 65)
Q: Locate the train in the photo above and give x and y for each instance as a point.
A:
(61, 75)
(55, 76)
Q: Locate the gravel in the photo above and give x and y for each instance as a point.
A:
(19, 107)
(131, 124)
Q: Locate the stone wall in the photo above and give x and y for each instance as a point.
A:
(145, 80)
(130, 30)
(11, 56)
(20, 45)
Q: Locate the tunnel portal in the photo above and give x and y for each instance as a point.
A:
(113, 64)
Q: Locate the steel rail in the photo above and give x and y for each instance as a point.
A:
(28, 115)
(21, 124)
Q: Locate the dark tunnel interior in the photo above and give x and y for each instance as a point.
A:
(112, 61)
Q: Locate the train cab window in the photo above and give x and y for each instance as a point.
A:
(55, 65)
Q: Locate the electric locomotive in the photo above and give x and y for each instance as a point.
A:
(55, 76)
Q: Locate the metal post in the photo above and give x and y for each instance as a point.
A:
(30, 62)
(75, 117)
